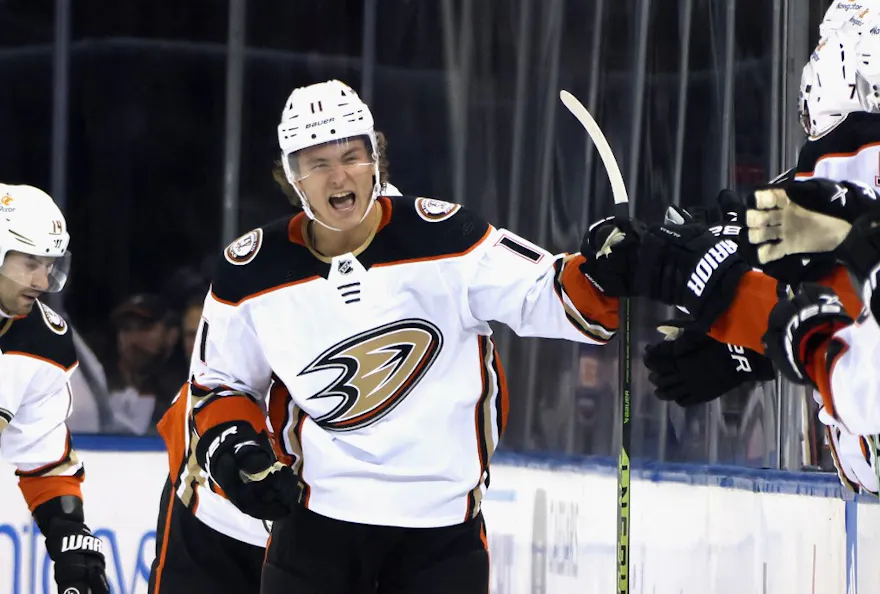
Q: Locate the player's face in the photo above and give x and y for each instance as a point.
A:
(337, 179)
(23, 278)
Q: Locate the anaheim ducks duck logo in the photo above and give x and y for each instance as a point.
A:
(378, 369)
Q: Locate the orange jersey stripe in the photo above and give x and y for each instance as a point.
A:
(172, 428)
(224, 409)
(37, 490)
(838, 280)
(43, 359)
(745, 321)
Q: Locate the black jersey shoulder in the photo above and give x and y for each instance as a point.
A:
(857, 131)
(264, 259)
(424, 228)
(42, 334)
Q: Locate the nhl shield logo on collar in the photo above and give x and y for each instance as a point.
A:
(344, 267)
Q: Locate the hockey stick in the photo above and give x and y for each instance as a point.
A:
(621, 212)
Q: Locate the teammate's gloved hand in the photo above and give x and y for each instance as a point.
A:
(807, 217)
(860, 250)
(688, 266)
(798, 330)
(691, 368)
(611, 249)
(243, 464)
(78, 556)
(727, 218)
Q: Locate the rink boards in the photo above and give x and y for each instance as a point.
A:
(551, 522)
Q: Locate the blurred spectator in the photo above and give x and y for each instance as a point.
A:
(595, 401)
(90, 408)
(145, 376)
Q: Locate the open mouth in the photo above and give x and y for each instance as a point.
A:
(342, 201)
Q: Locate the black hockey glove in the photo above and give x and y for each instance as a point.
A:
(693, 368)
(688, 266)
(242, 463)
(611, 249)
(727, 218)
(78, 556)
(807, 217)
(860, 251)
(799, 329)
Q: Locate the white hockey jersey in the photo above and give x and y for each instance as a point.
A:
(848, 381)
(37, 358)
(387, 394)
(848, 389)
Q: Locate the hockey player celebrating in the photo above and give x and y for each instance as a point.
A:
(206, 543)
(36, 359)
(367, 317)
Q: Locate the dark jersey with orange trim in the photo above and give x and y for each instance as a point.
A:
(36, 359)
(850, 152)
(388, 397)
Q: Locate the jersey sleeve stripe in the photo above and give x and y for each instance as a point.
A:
(44, 360)
(441, 257)
(5, 419)
(744, 322)
(832, 447)
(838, 280)
(223, 408)
(37, 490)
(809, 174)
(589, 310)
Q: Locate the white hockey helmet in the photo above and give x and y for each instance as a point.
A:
(842, 13)
(321, 113)
(868, 65)
(828, 83)
(31, 223)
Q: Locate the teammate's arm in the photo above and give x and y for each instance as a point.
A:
(229, 376)
(35, 438)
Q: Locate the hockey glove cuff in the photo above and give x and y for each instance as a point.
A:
(611, 249)
(798, 331)
(78, 556)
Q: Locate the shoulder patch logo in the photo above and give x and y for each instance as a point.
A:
(435, 211)
(55, 322)
(245, 248)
